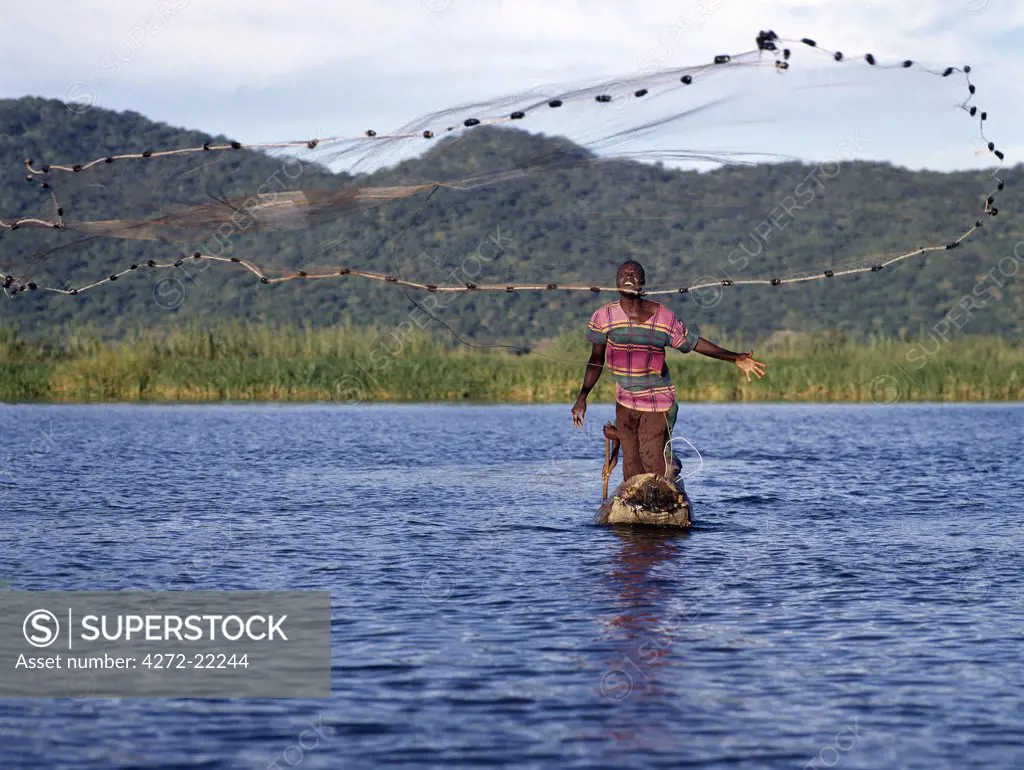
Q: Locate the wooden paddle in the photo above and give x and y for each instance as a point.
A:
(607, 467)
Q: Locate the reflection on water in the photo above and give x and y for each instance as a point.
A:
(633, 573)
(646, 609)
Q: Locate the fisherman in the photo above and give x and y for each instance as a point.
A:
(631, 336)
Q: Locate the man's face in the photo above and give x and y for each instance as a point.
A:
(630, 279)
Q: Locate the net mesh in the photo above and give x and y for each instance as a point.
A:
(461, 203)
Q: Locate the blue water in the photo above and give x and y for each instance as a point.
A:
(850, 597)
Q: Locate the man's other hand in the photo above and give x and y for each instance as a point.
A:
(749, 365)
(579, 411)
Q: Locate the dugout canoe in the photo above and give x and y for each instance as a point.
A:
(647, 499)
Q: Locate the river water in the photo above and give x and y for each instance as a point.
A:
(850, 596)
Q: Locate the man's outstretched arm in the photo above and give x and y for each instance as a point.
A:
(745, 361)
(590, 377)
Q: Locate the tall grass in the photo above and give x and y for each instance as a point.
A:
(237, 362)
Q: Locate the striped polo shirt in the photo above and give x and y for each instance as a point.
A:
(636, 354)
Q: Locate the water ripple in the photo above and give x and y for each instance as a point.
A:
(851, 594)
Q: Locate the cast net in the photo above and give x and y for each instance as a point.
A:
(504, 219)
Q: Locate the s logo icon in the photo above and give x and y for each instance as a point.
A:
(41, 628)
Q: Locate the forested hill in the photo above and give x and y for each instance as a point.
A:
(577, 221)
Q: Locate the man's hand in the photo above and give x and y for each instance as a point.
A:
(579, 410)
(749, 365)
(590, 377)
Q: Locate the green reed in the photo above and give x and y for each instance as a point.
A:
(238, 362)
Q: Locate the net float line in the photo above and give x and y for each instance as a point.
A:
(11, 289)
(768, 42)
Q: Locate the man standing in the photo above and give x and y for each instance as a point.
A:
(631, 336)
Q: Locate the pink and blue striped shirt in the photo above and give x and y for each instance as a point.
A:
(635, 354)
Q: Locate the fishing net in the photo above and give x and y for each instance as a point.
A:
(506, 218)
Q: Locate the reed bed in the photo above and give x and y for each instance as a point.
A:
(237, 362)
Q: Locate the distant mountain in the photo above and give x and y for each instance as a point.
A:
(575, 221)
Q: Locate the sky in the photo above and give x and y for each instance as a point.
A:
(270, 70)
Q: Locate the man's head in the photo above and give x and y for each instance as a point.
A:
(630, 277)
